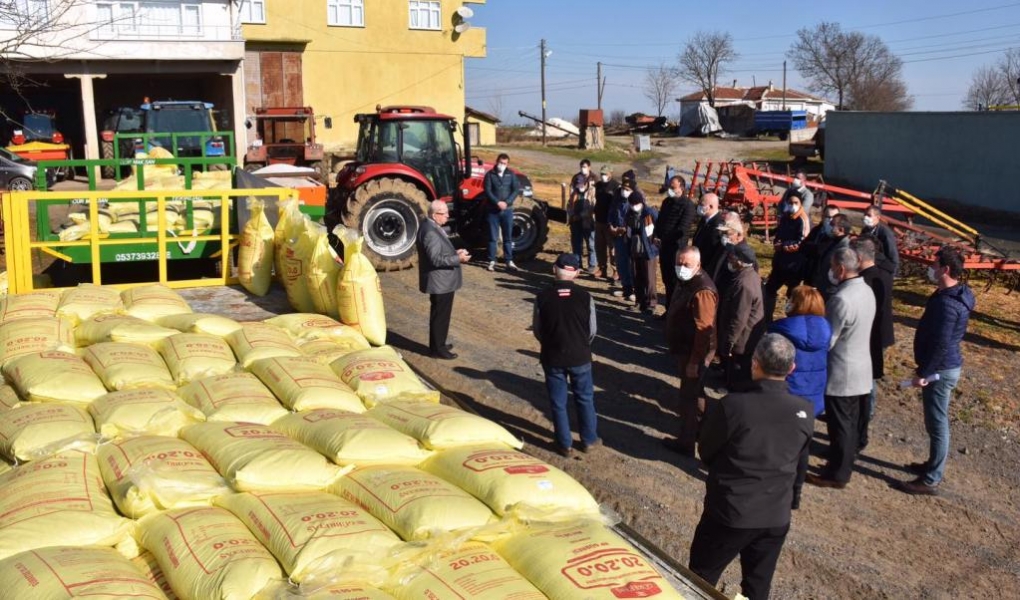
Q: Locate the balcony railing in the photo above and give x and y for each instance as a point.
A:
(209, 33)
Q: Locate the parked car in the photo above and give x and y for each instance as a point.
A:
(18, 174)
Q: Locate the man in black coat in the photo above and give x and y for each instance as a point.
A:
(887, 255)
(672, 230)
(706, 236)
(755, 444)
(439, 275)
(882, 335)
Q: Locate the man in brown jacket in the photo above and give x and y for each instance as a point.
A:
(741, 316)
(690, 334)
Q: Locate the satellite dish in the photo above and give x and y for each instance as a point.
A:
(465, 12)
(462, 27)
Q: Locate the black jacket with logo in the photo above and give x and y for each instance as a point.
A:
(564, 323)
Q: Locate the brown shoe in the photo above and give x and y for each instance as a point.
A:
(918, 487)
(824, 482)
(586, 448)
(564, 452)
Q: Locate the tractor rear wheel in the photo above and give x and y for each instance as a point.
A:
(322, 171)
(106, 151)
(530, 229)
(387, 212)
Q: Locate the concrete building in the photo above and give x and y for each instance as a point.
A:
(83, 59)
(762, 98)
(344, 57)
(481, 127)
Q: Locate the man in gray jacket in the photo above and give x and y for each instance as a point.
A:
(850, 312)
(439, 275)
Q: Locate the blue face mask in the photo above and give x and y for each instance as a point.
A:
(827, 227)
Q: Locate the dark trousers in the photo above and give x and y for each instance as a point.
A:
(644, 281)
(776, 280)
(667, 268)
(738, 372)
(842, 415)
(715, 546)
(690, 390)
(440, 309)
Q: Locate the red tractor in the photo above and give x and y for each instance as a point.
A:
(286, 136)
(406, 157)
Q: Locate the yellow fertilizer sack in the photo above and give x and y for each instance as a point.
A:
(255, 341)
(306, 327)
(438, 426)
(191, 356)
(206, 553)
(509, 481)
(347, 589)
(360, 293)
(255, 457)
(323, 352)
(87, 300)
(233, 397)
(411, 502)
(34, 431)
(28, 336)
(123, 366)
(70, 572)
(323, 272)
(310, 531)
(145, 411)
(297, 251)
(119, 328)
(58, 501)
(200, 323)
(583, 559)
(255, 253)
(303, 384)
(8, 398)
(380, 375)
(152, 473)
(286, 210)
(471, 571)
(351, 439)
(150, 302)
(29, 306)
(146, 563)
(54, 376)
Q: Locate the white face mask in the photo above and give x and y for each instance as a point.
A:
(684, 273)
(625, 193)
(701, 211)
(832, 278)
(605, 179)
(671, 193)
(581, 188)
(500, 168)
(585, 170)
(637, 207)
(788, 308)
(869, 221)
(797, 184)
(725, 239)
(932, 275)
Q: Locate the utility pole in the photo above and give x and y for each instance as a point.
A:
(784, 85)
(598, 85)
(542, 51)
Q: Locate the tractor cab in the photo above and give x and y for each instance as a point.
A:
(163, 120)
(417, 137)
(39, 127)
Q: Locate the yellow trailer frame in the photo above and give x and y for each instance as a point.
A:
(19, 245)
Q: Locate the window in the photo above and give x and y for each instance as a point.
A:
(23, 12)
(425, 15)
(253, 11)
(153, 18)
(345, 13)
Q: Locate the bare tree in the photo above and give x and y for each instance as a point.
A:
(851, 66)
(704, 58)
(496, 104)
(660, 82)
(986, 89)
(617, 118)
(1009, 70)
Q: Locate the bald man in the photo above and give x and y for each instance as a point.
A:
(706, 237)
(439, 275)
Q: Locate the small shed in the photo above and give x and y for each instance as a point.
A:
(481, 127)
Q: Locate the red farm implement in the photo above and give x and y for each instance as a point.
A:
(755, 191)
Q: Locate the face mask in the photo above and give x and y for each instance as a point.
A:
(637, 207)
(725, 239)
(932, 275)
(789, 308)
(581, 188)
(500, 168)
(625, 193)
(832, 278)
(869, 222)
(671, 193)
(701, 211)
(827, 227)
(605, 179)
(684, 273)
(585, 170)
(791, 209)
(797, 184)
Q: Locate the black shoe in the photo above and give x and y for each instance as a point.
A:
(444, 355)
(448, 346)
(824, 482)
(675, 445)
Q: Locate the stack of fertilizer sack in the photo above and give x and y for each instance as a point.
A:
(154, 452)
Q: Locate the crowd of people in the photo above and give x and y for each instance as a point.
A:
(822, 359)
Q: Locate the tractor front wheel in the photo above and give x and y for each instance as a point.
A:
(387, 212)
(530, 229)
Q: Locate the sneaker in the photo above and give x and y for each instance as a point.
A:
(618, 293)
(492, 266)
(918, 488)
(510, 266)
(632, 298)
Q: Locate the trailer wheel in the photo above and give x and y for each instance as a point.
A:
(106, 151)
(530, 229)
(387, 212)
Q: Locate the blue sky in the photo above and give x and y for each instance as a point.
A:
(941, 43)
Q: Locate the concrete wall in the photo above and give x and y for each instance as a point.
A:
(967, 157)
(349, 70)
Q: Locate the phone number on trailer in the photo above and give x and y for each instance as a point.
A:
(135, 256)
